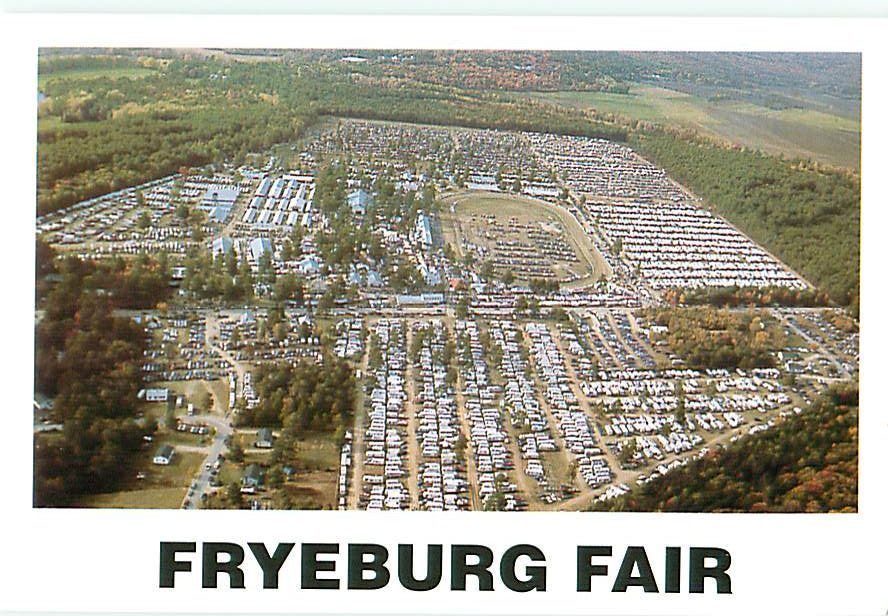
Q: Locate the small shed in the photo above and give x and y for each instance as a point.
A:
(264, 439)
(164, 455)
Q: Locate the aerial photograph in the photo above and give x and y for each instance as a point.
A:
(447, 280)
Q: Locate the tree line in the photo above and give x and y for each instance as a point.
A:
(807, 463)
(733, 296)
(89, 361)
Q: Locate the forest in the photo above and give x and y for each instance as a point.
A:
(90, 361)
(706, 337)
(303, 396)
(222, 277)
(807, 463)
(530, 70)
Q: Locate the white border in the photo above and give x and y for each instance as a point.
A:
(66, 560)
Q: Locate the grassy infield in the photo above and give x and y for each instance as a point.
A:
(526, 210)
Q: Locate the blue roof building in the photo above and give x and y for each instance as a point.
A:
(260, 246)
(220, 194)
(424, 230)
(373, 279)
(359, 200)
(309, 265)
(264, 187)
(222, 245)
(219, 214)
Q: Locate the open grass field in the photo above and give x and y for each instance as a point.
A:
(241, 56)
(314, 486)
(458, 228)
(804, 132)
(317, 474)
(149, 498)
(313, 490)
(318, 451)
(164, 487)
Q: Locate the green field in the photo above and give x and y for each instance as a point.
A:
(795, 132)
(318, 451)
(95, 73)
(317, 457)
(150, 498)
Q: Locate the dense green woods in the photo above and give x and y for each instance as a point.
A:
(122, 283)
(806, 464)
(732, 73)
(709, 338)
(82, 350)
(808, 218)
(90, 361)
(223, 276)
(303, 396)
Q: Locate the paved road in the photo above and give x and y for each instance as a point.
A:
(213, 339)
(201, 483)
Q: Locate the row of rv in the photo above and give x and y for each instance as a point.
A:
(345, 464)
(385, 443)
(571, 419)
(520, 398)
(441, 480)
(487, 433)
